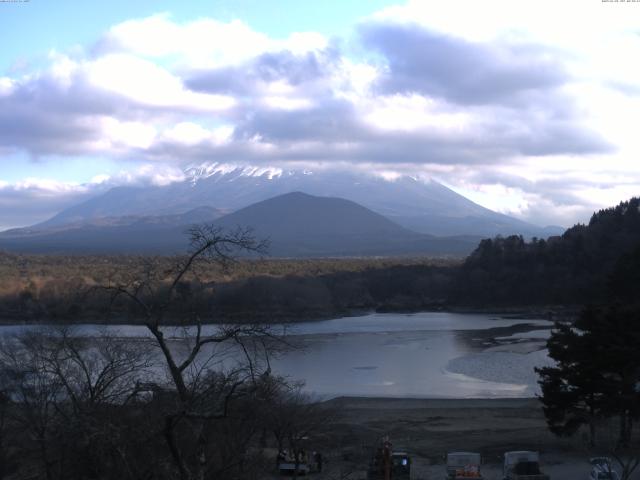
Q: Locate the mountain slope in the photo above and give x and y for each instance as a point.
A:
(127, 234)
(297, 225)
(193, 216)
(426, 207)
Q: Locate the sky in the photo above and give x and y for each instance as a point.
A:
(530, 108)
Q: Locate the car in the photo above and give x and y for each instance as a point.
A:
(599, 474)
(602, 469)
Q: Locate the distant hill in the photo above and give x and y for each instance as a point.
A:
(128, 234)
(423, 206)
(304, 225)
(193, 216)
(570, 269)
(297, 225)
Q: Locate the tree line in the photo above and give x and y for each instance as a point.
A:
(568, 270)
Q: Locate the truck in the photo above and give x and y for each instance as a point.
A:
(522, 465)
(462, 465)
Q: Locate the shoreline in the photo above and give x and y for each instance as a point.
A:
(374, 402)
(549, 312)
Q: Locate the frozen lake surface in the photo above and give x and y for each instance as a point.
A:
(427, 354)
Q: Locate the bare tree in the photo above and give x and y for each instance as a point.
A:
(6, 458)
(36, 393)
(66, 395)
(209, 368)
(295, 418)
(98, 407)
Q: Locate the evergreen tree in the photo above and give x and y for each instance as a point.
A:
(597, 372)
(574, 392)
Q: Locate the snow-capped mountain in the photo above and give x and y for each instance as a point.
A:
(426, 207)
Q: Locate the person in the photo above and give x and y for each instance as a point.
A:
(317, 457)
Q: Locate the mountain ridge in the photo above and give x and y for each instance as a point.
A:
(297, 224)
(426, 207)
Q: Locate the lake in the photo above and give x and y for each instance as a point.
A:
(427, 354)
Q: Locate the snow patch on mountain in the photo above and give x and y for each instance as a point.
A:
(229, 170)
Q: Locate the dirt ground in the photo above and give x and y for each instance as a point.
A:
(428, 428)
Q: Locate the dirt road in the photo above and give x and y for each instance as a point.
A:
(428, 428)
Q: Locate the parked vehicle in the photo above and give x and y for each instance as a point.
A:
(287, 463)
(461, 465)
(522, 465)
(387, 464)
(602, 469)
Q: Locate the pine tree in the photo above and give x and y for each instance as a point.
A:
(597, 372)
(574, 392)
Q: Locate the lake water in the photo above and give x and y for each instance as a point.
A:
(428, 354)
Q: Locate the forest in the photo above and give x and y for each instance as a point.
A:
(503, 273)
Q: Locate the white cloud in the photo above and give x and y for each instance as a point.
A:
(187, 133)
(302, 42)
(283, 102)
(118, 135)
(415, 112)
(63, 69)
(6, 86)
(156, 175)
(202, 43)
(146, 83)
(574, 24)
(33, 199)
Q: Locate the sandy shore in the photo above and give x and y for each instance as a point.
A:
(428, 428)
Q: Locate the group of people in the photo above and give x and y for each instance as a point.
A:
(300, 457)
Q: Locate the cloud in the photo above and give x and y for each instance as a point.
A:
(34, 200)
(420, 91)
(267, 69)
(419, 60)
(91, 106)
(434, 98)
(202, 43)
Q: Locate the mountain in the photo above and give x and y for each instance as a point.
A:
(426, 207)
(193, 216)
(297, 225)
(127, 234)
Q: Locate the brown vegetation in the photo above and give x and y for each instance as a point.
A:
(52, 288)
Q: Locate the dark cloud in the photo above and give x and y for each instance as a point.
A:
(269, 67)
(45, 115)
(333, 132)
(331, 120)
(42, 132)
(437, 65)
